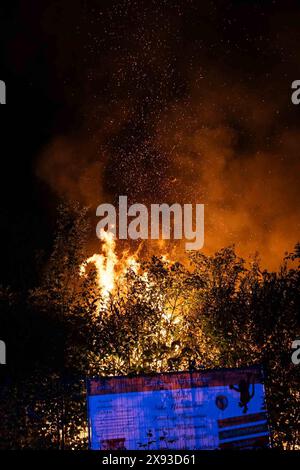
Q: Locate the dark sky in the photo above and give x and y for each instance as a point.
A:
(165, 101)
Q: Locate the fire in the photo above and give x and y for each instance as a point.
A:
(105, 264)
(110, 269)
(111, 272)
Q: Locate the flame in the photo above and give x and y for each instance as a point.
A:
(105, 264)
(130, 263)
(111, 272)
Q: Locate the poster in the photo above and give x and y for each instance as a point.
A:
(214, 409)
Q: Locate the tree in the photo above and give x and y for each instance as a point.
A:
(213, 311)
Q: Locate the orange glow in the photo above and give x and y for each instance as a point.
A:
(105, 264)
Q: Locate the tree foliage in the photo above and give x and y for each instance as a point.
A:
(214, 311)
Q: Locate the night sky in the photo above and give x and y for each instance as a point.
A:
(163, 101)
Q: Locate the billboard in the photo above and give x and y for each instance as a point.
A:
(211, 409)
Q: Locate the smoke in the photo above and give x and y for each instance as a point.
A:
(165, 118)
(231, 152)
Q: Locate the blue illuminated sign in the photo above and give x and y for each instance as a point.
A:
(186, 410)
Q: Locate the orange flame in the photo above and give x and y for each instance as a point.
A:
(105, 264)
